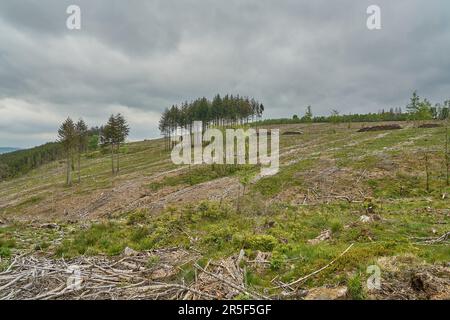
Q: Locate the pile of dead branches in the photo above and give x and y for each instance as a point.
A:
(125, 277)
(133, 275)
(224, 280)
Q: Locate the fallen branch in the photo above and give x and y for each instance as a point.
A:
(315, 272)
(445, 237)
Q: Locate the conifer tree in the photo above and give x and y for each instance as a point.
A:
(81, 140)
(107, 138)
(67, 137)
(308, 115)
(122, 131)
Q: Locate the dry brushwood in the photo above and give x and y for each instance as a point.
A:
(129, 276)
(126, 277)
(224, 279)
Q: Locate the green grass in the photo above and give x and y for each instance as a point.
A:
(272, 185)
(220, 231)
(196, 175)
(5, 247)
(356, 287)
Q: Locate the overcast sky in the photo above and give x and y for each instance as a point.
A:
(138, 57)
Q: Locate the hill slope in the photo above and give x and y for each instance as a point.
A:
(337, 189)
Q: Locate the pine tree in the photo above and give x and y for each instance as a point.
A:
(447, 155)
(81, 136)
(308, 115)
(122, 131)
(424, 111)
(413, 105)
(67, 137)
(163, 127)
(107, 138)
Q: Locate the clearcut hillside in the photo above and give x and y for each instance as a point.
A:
(343, 200)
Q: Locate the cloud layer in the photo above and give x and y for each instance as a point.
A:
(138, 57)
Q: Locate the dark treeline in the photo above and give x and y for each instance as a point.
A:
(227, 111)
(369, 117)
(20, 162)
(416, 109)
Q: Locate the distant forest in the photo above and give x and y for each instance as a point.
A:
(72, 142)
(22, 161)
(416, 109)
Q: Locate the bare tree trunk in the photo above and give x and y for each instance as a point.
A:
(427, 172)
(79, 166)
(167, 141)
(447, 156)
(112, 159)
(189, 172)
(72, 162)
(118, 156)
(238, 204)
(69, 170)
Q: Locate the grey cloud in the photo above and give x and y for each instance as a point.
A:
(142, 56)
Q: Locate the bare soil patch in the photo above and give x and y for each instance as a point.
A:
(430, 125)
(381, 128)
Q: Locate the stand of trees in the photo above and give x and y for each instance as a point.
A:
(113, 134)
(73, 137)
(422, 109)
(227, 111)
(419, 109)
